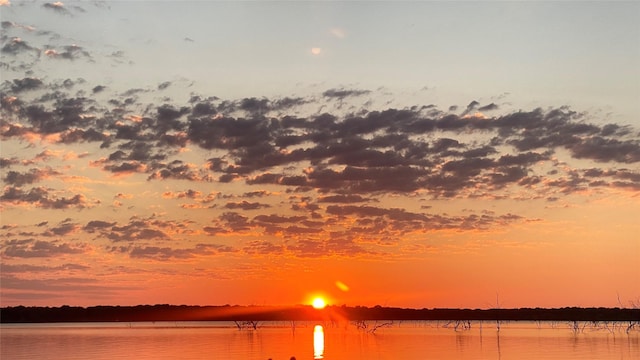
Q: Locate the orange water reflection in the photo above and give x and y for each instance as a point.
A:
(318, 342)
(333, 341)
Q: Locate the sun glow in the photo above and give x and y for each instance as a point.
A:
(318, 303)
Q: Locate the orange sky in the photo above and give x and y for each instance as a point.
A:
(138, 168)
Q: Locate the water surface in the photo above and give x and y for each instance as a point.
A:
(306, 340)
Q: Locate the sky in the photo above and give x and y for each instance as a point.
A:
(411, 154)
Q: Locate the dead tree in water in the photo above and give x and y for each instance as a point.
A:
(249, 324)
(459, 325)
(364, 326)
(575, 326)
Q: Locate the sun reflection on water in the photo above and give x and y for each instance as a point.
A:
(318, 342)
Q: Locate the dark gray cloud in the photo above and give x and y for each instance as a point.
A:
(278, 219)
(488, 107)
(60, 8)
(344, 93)
(65, 227)
(42, 197)
(8, 162)
(606, 149)
(27, 268)
(179, 171)
(164, 85)
(334, 165)
(342, 199)
(471, 107)
(96, 225)
(24, 84)
(167, 253)
(32, 248)
(261, 247)
(245, 205)
(24, 178)
(188, 194)
(356, 153)
(137, 229)
(52, 288)
(68, 52)
(16, 46)
(337, 244)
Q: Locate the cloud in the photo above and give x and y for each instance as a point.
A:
(342, 199)
(179, 171)
(341, 94)
(19, 269)
(138, 229)
(336, 245)
(42, 197)
(359, 153)
(16, 45)
(331, 167)
(261, 247)
(31, 248)
(68, 52)
(8, 162)
(34, 175)
(606, 150)
(278, 219)
(55, 287)
(96, 225)
(164, 85)
(167, 253)
(190, 194)
(25, 84)
(64, 228)
(57, 6)
(488, 107)
(245, 205)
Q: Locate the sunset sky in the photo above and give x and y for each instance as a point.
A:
(412, 154)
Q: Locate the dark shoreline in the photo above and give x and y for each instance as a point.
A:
(22, 314)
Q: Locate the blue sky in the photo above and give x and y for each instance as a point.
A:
(541, 53)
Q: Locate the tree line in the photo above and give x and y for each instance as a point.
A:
(164, 312)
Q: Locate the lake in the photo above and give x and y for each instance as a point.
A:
(310, 340)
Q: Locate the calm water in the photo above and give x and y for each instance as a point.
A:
(402, 340)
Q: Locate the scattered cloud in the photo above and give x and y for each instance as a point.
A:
(167, 253)
(68, 52)
(245, 205)
(16, 46)
(344, 93)
(330, 169)
(31, 248)
(57, 6)
(34, 175)
(42, 197)
(342, 156)
(25, 84)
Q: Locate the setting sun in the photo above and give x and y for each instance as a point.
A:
(318, 303)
